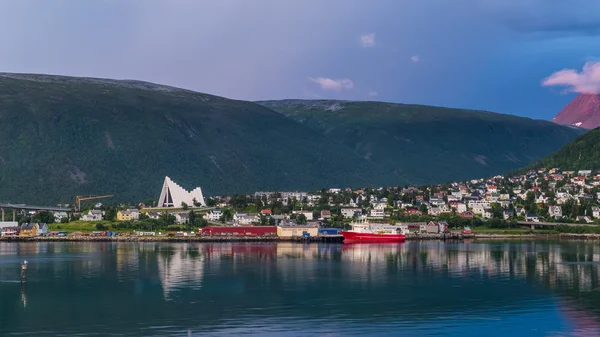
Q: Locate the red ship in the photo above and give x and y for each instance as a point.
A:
(354, 237)
(363, 231)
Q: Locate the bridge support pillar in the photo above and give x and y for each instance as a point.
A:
(532, 227)
(2, 214)
(14, 215)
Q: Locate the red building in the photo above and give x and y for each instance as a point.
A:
(239, 231)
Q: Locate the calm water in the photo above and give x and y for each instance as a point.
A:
(519, 288)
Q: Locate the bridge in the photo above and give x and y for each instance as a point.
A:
(16, 207)
(534, 224)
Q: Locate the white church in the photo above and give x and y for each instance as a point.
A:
(172, 195)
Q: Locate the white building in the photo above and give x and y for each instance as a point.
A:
(378, 211)
(596, 212)
(555, 212)
(351, 212)
(214, 215)
(173, 195)
(93, 215)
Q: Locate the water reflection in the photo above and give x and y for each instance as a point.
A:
(285, 288)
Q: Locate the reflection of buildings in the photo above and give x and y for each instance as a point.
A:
(178, 268)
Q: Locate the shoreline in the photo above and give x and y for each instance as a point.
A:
(317, 239)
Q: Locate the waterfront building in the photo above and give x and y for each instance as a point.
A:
(173, 195)
(33, 229)
(239, 231)
(293, 230)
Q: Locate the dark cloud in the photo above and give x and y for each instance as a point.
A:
(581, 17)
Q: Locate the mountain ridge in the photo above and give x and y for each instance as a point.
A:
(460, 142)
(582, 153)
(63, 136)
(583, 111)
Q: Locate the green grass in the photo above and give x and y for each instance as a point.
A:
(510, 231)
(84, 226)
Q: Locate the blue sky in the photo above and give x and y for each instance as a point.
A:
(480, 54)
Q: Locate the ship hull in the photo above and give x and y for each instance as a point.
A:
(354, 237)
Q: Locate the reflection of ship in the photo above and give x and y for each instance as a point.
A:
(364, 231)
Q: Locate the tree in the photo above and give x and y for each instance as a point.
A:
(227, 215)
(192, 218)
(43, 217)
(423, 209)
(100, 227)
(301, 219)
(391, 197)
(184, 206)
(110, 214)
(167, 219)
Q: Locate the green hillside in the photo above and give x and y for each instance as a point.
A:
(62, 136)
(429, 144)
(580, 154)
(65, 136)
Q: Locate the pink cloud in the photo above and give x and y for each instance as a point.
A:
(587, 81)
(334, 85)
(367, 40)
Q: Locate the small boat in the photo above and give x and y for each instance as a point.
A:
(373, 233)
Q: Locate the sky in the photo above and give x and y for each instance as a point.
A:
(523, 57)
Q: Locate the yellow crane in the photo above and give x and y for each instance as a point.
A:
(81, 198)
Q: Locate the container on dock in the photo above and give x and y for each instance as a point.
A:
(329, 231)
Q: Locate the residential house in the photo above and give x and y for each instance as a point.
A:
(584, 173)
(532, 217)
(413, 211)
(584, 218)
(479, 209)
(128, 215)
(487, 213)
(378, 211)
(351, 212)
(33, 229)
(596, 212)
(434, 211)
(239, 215)
(325, 214)
(181, 217)
(58, 216)
(508, 214)
(93, 215)
(246, 219)
(308, 214)
(467, 214)
(153, 215)
(432, 228)
(555, 212)
(215, 215)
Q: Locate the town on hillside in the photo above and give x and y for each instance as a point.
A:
(543, 197)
